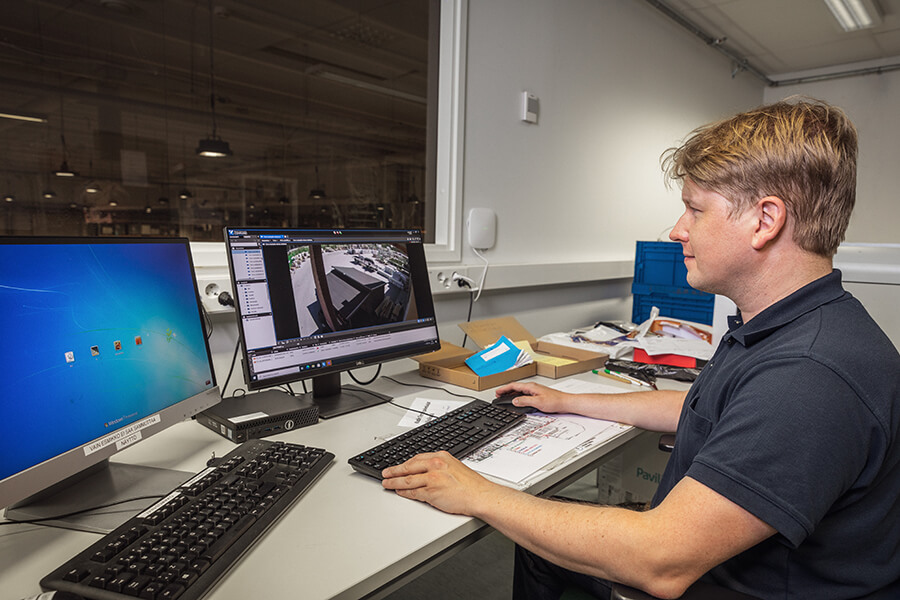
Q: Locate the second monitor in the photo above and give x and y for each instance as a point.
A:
(312, 303)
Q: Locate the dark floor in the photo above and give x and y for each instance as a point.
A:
(483, 571)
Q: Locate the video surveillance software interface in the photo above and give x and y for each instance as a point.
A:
(324, 300)
(96, 336)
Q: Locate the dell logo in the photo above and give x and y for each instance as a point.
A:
(289, 424)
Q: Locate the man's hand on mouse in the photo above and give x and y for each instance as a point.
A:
(543, 398)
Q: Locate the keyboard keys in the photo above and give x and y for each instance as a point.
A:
(180, 547)
(459, 432)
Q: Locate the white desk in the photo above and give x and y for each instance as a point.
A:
(347, 538)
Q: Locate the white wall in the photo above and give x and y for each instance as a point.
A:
(618, 84)
(873, 104)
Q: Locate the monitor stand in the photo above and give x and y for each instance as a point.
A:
(104, 483)
(333, 399)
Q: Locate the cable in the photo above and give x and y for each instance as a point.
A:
(207, 321)
(225, 299)
(79, 512)
(469, 315)
(374, 377)
(430, 387)
(483, 273)
(237, 347)
(462, 280)
(421, 412)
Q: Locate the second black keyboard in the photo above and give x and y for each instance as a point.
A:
(459, 432)
(182, 545)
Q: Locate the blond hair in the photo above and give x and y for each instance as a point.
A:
(803, 152)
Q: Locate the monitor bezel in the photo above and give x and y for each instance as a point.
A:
(60, 471)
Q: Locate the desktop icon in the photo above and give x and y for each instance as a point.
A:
(118, 344)
(137, 340)
(95, 350)
(70, 357)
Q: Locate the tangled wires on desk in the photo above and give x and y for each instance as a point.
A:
(650, 373)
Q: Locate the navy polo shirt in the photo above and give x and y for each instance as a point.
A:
(796, 419)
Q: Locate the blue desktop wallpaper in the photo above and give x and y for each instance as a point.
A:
(94, 337)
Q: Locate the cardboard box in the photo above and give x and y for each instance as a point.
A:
(488, 331)
(449, 364)
(633, 474)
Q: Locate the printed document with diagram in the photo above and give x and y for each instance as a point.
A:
(543, 442)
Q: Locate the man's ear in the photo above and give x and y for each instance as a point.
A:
(771, 220)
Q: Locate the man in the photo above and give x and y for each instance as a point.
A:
(785, 478)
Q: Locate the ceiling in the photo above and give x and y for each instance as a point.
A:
(783, 37)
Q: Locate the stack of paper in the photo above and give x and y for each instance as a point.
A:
(525, 346)
(500, 356)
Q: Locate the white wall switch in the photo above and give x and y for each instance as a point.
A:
(530, 107)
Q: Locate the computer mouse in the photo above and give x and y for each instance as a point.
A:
(506, 401)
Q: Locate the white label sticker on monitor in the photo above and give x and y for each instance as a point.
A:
(123, 437)
(124, 442)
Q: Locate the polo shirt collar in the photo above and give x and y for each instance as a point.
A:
(810, 297)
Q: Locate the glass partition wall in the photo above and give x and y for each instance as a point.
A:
(179, 117)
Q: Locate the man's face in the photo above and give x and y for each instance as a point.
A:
(714, 244)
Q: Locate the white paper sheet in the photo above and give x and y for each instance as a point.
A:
(670, 345)
(543, 442)
(433, 407)
(539, 443)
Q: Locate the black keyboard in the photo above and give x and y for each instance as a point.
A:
(459, 432)
(183, 544)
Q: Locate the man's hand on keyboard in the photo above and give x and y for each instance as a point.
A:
(440, 480)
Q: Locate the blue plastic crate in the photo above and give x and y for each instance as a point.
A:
(660, 263)
(689, 308)
(660, 279)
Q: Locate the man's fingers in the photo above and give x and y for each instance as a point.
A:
(403, 483)
(421, 463)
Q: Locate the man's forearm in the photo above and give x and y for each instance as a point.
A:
(661, 551)
(656, 410)
(606, 542)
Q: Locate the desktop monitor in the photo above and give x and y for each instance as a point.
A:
(103, 345)
(312, 303)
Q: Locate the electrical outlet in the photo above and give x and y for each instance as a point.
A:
(210, 286)
(445, 279)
